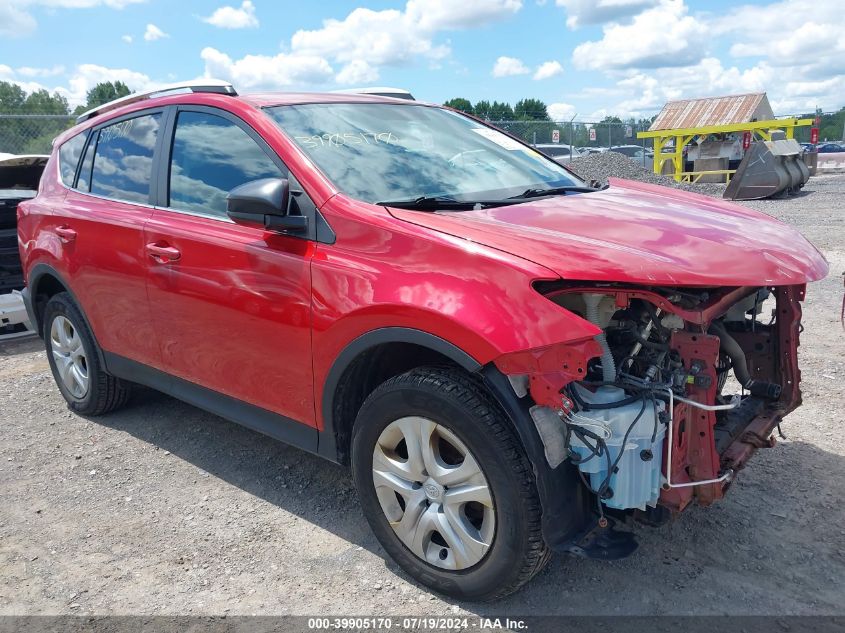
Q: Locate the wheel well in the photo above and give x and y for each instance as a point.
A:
(366, 372)
(46, 286)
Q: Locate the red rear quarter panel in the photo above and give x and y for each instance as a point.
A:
(36, 240)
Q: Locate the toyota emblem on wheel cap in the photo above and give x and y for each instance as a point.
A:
(433, 491)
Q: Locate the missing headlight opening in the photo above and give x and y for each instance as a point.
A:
(678, 390)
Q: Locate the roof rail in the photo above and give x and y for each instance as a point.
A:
(217, 86)
(379, 91)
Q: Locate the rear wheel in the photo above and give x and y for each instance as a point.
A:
(446, 486)
(74, 360)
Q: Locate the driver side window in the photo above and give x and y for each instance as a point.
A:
(211, 156)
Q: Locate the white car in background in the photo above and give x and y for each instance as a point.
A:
(19, 177)
(642, 155)
(558, 151)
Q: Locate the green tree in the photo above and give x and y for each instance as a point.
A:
(610, 131)
(531, 110)
(831, 126)
(27, 134)
(42, 102)
(12, 98)
(102, 93)
(459, 103)
(482, 110)
(501, 112)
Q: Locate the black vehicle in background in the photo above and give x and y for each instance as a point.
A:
(19, 176)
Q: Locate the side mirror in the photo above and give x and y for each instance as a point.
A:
(264, 203)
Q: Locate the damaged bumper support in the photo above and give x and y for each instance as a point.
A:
(640, 413)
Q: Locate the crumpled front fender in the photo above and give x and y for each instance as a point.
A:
(550, 368)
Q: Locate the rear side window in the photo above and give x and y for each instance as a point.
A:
(123, 160)
(211, 156)
(69, 154)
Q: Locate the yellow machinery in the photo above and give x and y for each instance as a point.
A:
(682, 137)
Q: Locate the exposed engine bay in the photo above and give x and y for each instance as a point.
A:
(678, 390)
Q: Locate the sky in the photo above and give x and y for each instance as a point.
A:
(585, 58)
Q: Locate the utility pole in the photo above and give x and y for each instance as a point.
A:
(571, 127)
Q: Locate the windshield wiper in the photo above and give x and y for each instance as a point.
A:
(553, 191)
(433, 203)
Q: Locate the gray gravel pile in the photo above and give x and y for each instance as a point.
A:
(605, 165)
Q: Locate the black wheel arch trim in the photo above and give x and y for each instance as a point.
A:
(567, 508)
(567, 512)
(34, 276)
(328, 437)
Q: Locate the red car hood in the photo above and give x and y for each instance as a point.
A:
(640, 233)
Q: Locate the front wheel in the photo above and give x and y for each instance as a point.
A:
(446, 486)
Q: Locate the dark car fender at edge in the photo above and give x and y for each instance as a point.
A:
(567, 512)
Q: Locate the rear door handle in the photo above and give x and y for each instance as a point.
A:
(161, 253)
(66, 234)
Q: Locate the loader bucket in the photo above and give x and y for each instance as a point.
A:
(769, 168)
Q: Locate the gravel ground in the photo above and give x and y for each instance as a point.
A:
(164, 509)
(601, 165)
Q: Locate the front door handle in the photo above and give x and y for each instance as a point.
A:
(161, 253)
(66, 234)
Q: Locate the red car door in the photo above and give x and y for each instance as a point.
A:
(102, 225)
(230, 303)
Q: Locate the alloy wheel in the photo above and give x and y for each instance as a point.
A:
(69, 355)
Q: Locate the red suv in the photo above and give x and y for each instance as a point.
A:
(511, 361)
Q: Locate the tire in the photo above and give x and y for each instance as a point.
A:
(75, 360)
(466, 418)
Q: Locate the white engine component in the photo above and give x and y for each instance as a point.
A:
(636, 479)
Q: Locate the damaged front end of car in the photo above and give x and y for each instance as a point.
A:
(667, 403)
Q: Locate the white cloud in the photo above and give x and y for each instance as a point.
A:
(662, 36)
(560, 111)
(440, 15)
(547, 70)
(357, 72)
(800, 68)
(86, 76)
(16, 20)
(648, 91)
(82, 4)
(815, 45)
(377, 37)
(266, 72)
(79, 82)
(396, 37)
(509, 66)
(29, 71)
(234, 18)
(153, 33)
(585, 12)
(126, 38)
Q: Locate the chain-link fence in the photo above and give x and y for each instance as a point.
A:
(31, 133)
(576, 133)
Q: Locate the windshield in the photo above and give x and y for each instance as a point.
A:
(386, 152)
